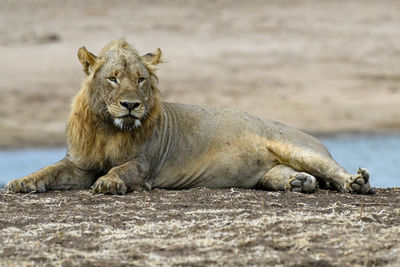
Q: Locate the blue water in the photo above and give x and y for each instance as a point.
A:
(18, 163)
(379, 154)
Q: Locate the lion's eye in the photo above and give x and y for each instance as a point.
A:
(112, 79)
(141, 79)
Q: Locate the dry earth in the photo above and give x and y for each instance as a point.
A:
(200, 227)
(323, 66)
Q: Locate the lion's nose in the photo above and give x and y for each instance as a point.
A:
(130, 105)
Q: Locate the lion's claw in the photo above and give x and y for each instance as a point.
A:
(25, 185)
(109, 185)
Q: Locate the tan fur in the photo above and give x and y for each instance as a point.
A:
(120, 138)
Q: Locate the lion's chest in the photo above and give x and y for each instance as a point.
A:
(105, 153)
(117, 154)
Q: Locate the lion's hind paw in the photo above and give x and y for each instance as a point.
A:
(304, 183)
(360, 184)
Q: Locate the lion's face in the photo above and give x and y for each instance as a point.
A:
(123, 85)
(124, 89)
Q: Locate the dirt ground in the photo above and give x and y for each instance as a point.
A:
(200, 227)
(323, 66)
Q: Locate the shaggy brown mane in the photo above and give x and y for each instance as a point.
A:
(89, 137)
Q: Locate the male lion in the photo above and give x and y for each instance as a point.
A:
(122, 138)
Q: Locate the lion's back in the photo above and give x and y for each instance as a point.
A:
(219, 123)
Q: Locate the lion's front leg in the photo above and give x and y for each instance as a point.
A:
(62, 175)
(130, 176)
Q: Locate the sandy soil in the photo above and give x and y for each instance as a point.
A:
(323, 66)
(200, 227)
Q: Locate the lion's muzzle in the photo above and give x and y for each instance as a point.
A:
(130, 105)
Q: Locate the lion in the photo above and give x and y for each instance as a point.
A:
(122, 138)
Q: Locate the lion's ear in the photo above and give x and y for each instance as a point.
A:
(87, 59)
(153, 58)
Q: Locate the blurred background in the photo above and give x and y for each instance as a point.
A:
(330, 68)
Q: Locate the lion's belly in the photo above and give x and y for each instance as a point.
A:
(229, 165)
(212, 147)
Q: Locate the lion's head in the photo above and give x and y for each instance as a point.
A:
(122, 85)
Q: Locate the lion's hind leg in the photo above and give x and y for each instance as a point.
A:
(283, 177)
(313, 158)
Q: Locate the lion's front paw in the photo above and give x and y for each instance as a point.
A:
(109, 185)
(25, 185)
(303, 182)
(360, 182)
